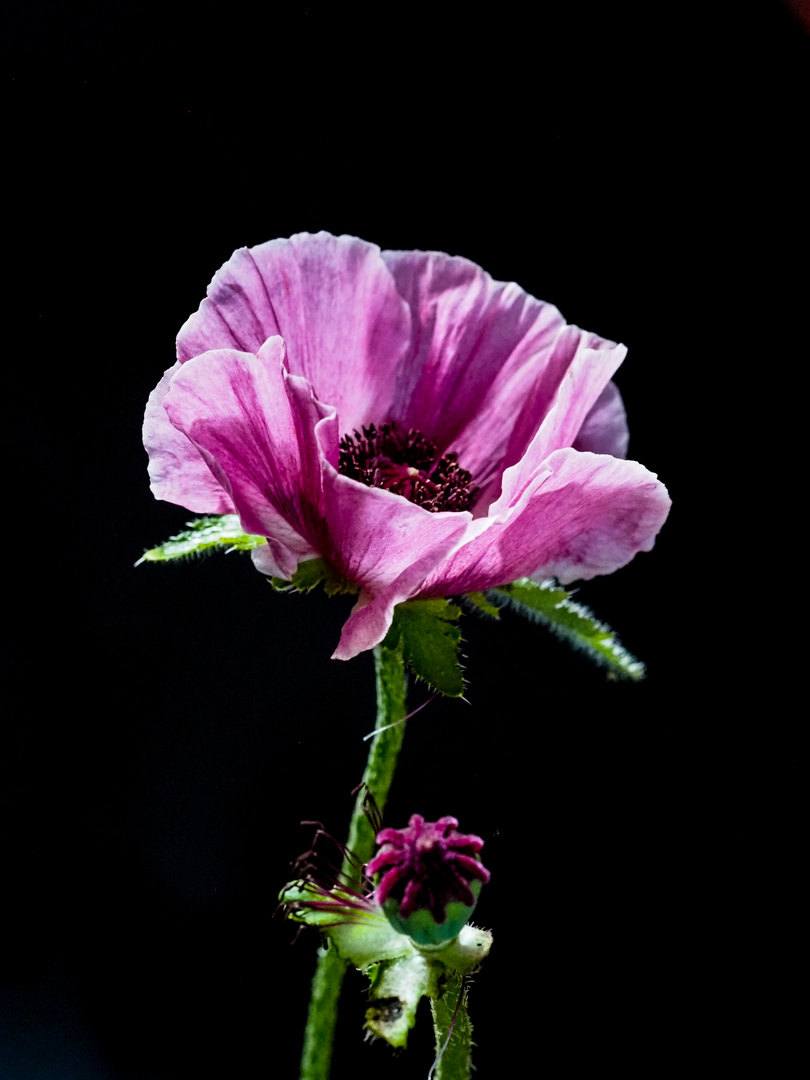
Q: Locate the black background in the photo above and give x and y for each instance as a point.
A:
(171, 726)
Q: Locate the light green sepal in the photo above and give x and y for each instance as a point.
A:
(397, 986)
(546, 602)
(201, 535)
(401, 970)
(360, 933)
(396, 992)
(311, 573)
(464, 953)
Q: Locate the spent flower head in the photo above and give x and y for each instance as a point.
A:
(430, 878)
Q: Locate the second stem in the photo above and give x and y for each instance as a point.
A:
(319, 1034)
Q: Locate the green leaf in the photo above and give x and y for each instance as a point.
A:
(430, 640)
(202, 534)
(311, 573)
(480, 603)
(547, 603)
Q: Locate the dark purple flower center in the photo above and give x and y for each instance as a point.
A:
(427, 866)
(407, 465)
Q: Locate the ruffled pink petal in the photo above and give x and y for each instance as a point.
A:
(546, 423)
(477, 348)
(386, 545)
(332, 300)
(580, 515)
(605, 429)
(235, 408)
(274, 559)
(623, 520)
(177, 470)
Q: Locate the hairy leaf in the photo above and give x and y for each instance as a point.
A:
(311, 573)
(546, 602)
(430, 639)
(202, 535)
(479, 602)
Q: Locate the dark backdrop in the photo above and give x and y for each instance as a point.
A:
(169, 727)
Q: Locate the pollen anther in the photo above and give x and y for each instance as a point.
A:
(407, 465)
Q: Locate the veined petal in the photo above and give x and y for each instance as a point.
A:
(605, 429)
(579, 516)
(235, 408)
(178, 472)
(276, 559)
(477, 348)
(333, 301)
(385, 544)
(547, 423)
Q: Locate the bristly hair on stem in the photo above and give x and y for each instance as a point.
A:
(370, 807)
(463, 995)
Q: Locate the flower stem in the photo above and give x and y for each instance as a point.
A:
(319, 1033)
(389, 669)
(452, 1051)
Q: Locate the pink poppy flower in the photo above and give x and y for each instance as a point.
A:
(426, 430)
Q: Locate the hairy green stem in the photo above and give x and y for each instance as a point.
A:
(319, 1033)
(389, 669)
(452, 1050)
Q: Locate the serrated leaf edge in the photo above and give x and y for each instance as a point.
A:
(619, 661)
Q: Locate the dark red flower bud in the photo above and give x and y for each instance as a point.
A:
(430, 878)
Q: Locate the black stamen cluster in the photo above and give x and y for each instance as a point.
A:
(406, 464)
(360, 452)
